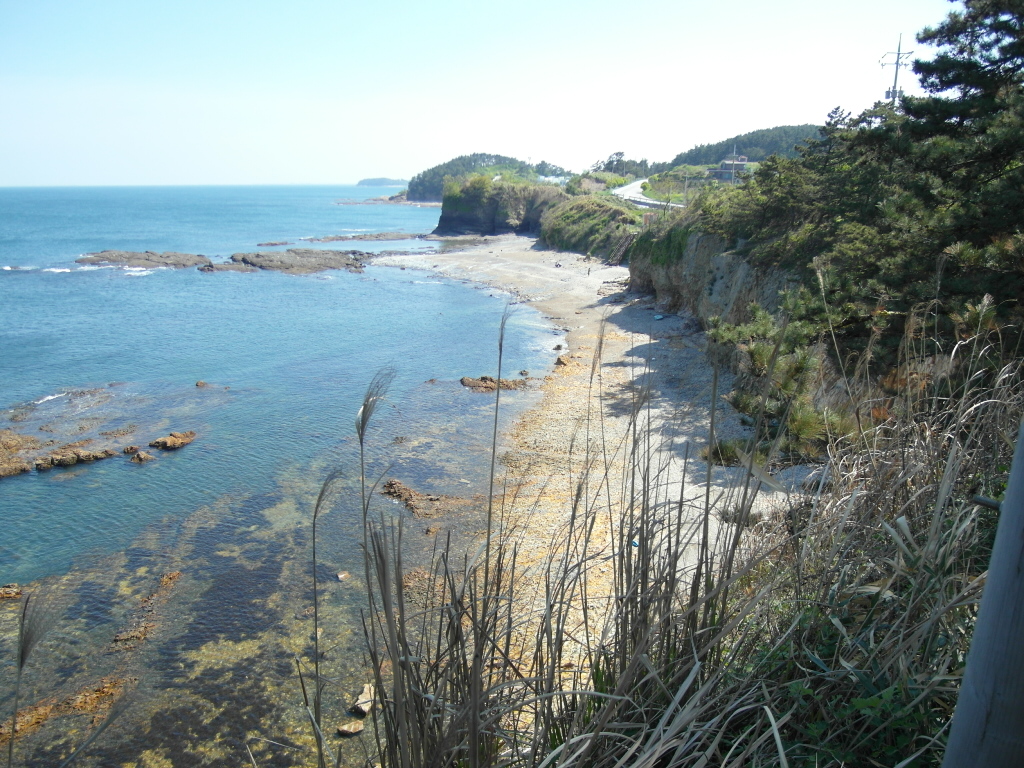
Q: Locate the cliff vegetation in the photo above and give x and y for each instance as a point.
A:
(479, 205)
(889, 249)
(781, 140)
(429, 185)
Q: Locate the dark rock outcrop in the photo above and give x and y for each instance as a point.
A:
(294, 261)
(486, 208)
(147, 259)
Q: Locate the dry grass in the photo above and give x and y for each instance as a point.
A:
(832, 635)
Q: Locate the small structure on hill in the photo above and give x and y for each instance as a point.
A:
(729, 169)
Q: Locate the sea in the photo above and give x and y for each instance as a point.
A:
(182, 586)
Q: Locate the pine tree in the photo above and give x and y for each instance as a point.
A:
(968, 133)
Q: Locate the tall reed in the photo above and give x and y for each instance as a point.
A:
(830, 633)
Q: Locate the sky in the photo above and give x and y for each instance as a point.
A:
(127, 92)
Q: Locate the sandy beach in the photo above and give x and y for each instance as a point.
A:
(586, 408)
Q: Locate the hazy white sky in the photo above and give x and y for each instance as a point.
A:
(331, 91)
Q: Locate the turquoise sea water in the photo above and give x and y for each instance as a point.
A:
(87, 351)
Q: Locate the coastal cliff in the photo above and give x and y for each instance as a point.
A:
(484, 207)
(697, 272)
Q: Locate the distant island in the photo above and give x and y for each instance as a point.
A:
(383, 183)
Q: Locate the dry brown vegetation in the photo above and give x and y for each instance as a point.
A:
(832, 632)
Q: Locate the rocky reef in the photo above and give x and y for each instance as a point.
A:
(294, 261)
(69, 455)
(489, 383)
(367, 236)
(79, 429)
(174, 440)
(11, 445)
(145, 259)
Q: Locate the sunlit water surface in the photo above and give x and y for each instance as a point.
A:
(112, 356)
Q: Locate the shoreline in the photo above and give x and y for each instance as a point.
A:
(640, 348)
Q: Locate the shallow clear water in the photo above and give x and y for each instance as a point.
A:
(87, 351)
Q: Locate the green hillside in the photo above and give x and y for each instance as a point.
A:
(428, 185)
(756, 145)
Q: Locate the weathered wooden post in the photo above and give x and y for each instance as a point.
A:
(988, 723)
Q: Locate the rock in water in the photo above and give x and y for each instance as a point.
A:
(10, 444)
(10, 467)
(10, 591)
(350, 729)
(173, 440)
(295, 261)
(69, 455)
(364, 703)
(147, 259)
(142, 457)
(489, 383)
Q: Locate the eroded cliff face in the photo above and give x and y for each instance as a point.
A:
(707, 280)
(711, 281)
(481, 207)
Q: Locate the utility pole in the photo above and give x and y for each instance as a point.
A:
(894, 92)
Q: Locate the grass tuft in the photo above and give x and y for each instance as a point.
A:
(830, 633)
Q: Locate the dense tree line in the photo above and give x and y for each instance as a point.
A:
(428, 185)
(908, 204)
(620, 165)
(756, 145)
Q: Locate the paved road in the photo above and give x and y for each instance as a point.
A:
(634, 192)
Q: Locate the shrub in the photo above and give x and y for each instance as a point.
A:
(593, 225)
